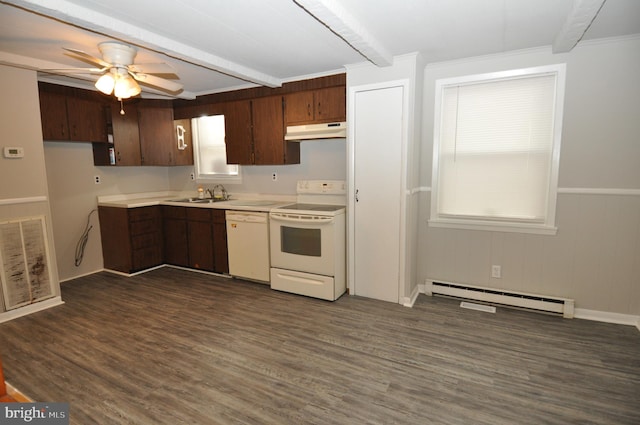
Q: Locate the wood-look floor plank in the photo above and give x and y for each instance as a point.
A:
(178, 347)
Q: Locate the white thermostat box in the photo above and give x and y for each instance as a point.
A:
(13, 152)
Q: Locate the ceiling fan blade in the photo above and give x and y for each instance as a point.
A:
(157, 82)
(152, 68)
(88, 57)
(75, 70)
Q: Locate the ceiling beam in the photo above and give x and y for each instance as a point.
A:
(91, 20)
(577, 23)
(344, 25)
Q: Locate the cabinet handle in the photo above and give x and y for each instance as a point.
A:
(319, 109)
(357, 195)
(62, 129)
(308, 109)
(119, 157)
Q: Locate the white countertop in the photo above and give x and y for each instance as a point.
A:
(246, 202)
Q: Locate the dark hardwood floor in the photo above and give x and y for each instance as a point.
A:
(177, 347)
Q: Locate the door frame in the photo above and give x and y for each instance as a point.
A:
(351, 174)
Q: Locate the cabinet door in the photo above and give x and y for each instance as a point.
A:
(183, 150)
(176, 245)
(330, 105)
(237, 126)
(221, 255)
(269, 146)
(299, 108)
(156, 135)
(87, 120)
(53, 114)
(200, 236)
(126, 138)
(114, 232)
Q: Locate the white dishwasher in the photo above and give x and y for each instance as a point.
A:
(248, 244)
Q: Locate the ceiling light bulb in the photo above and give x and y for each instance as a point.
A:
(126, 87)
(106, 84)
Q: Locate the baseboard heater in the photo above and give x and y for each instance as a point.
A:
(563, 306)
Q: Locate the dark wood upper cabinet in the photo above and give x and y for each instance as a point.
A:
(157, 137)
(237, 126)
(269, 146)
(184, 149)
(316, 106)
(53, 113)
(255, 133)
(126, 138)
(72, 115)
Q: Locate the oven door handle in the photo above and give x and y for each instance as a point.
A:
(301, 219)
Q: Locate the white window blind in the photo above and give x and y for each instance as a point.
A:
(494, 153)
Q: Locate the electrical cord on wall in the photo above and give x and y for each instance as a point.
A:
(82, 243)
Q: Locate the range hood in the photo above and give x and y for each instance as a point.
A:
(334, 130)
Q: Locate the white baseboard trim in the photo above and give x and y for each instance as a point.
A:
(81, 275)
(409, 301)
(29, 309)
(607, 317)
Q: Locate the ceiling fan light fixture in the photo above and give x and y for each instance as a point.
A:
(106, 84)
(126, 87)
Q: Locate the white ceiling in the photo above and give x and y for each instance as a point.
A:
(219, 45)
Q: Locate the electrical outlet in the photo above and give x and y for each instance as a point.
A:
(193, 176)
(274, 176)
(496, 271)
(96, 179)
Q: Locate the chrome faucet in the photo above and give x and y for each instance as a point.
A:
(207, 192)
(225, 195)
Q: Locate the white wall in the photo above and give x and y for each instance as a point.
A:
(595, 257)
(319, 160)
(73, 193)
(23, 179)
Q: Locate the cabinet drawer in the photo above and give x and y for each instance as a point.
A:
(141, 227)
(143, 213)
(174, 212)
(199, 214)
(146, 240)
(218, 216)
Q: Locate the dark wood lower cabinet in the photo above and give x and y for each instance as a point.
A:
(200, 236)
(176, 245)
(135, 239)
(220, 252)
(131, 238)
(195, 238)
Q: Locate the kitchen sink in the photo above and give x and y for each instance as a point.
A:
(197, 200)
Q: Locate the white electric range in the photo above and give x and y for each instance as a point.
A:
(308, 241)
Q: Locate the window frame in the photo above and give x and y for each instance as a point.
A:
(209, 177)
(548, 226)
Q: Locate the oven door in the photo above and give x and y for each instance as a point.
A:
(303, 242)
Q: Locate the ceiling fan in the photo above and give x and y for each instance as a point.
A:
(119, 73)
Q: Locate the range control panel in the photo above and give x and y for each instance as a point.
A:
(322, 187)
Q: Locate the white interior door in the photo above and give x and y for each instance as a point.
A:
(377, 177)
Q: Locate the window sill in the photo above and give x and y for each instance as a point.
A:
(538, 229)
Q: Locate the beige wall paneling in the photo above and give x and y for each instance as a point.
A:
(595, 256)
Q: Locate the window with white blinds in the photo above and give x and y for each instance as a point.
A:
(496, 145)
